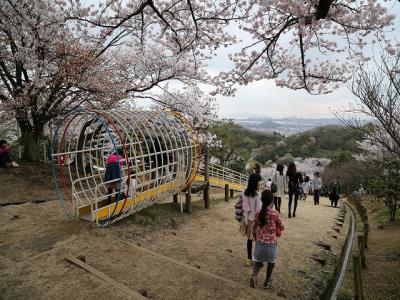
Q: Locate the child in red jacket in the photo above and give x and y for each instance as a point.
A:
(267, 227)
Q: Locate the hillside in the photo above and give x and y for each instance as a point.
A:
(335, 142)
(326, 141)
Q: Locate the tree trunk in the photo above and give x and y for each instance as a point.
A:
(31, 143)
(393, 213)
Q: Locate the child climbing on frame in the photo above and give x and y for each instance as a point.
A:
(267, 226)
(113, 173)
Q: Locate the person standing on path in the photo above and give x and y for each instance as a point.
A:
(251, 205)
(257, 171)
(5, 156)
(279, 179)
(267, 227)
(294, 186)
(305, 187)
(335, 188)
(317, 185)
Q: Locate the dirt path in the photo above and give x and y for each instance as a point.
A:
(34, 239)
(33, 178)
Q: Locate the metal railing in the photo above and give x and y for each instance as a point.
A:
(225, 174)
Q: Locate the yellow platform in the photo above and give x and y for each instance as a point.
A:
(216, 182)
(104, 212)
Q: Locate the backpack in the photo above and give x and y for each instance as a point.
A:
(239, 209)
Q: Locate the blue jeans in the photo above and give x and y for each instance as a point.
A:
(293, 193)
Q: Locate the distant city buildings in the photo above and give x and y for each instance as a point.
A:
(284, 126)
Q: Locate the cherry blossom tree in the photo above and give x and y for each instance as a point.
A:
(58, 55)
(42, 68)
(52, 63)
(198, 107)
(377, 91)
(307, 45)
(311, 165)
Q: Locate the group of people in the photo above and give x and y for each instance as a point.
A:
(263, 224)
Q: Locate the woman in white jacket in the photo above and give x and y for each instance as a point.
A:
(251, 205)
(279, 179)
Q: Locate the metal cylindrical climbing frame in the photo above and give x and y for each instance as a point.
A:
(157, 156)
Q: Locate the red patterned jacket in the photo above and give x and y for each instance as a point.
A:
(268, 234)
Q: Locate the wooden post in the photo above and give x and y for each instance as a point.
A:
(366, 231)
(364, 214)
(231, 195)
(360, 241)
(206, 192)
(226, 192)
(358, 293)
(189, 201)
(175, 198)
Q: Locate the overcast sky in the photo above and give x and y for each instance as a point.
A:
(264, 98)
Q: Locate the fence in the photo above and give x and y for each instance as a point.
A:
(359, 259)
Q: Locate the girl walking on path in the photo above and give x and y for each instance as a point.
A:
(267, 227)
(317, 185)
(279, 179)
(294, 186)
(251, 205)
(335, 188)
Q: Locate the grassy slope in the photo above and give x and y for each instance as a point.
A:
(381, 279)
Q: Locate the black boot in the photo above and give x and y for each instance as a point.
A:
(109, 192)
(267, 282)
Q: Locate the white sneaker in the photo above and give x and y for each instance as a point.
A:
(14, 164)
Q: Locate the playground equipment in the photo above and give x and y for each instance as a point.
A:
(159, 157)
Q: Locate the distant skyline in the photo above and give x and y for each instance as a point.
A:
(263, 98)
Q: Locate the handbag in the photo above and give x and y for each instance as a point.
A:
(274, 187)
(239, 209)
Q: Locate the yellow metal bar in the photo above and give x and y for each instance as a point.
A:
(216, 182)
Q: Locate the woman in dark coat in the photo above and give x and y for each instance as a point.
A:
(294, 186)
